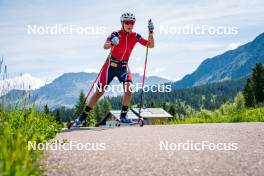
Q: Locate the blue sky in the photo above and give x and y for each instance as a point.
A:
(175, 55)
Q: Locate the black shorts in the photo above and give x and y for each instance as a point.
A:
(113, 69)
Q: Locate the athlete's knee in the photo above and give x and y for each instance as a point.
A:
(128, 88)
(99, 93)
(128, 94)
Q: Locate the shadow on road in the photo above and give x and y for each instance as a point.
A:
(65, 130)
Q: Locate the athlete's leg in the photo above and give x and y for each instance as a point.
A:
(126, 78)
(105, 78)
(127, 87)
(126, 99)
(95, 97)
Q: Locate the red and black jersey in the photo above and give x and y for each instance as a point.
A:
(127, 41)
(116, 65)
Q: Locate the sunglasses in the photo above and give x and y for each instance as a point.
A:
(129, 22)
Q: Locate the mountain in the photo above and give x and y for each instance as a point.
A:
(208, 96)
(64, 90)
(233, 64)
(16, 94)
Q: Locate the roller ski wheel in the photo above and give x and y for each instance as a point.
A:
(70, 124)
(141, 122)
(118, 123)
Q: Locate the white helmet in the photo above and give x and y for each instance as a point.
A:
(127, 16)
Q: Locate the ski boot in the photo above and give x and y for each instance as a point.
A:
(123, 121)
(74, 123)
(77, 122)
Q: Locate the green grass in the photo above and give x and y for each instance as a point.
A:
(18, 127)
(244, 115)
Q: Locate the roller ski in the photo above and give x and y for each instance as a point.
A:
(129, 122)
(74, 123)
(123, 122)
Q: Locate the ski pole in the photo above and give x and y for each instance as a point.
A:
(143, 82)
(143, 79)
(91, 88)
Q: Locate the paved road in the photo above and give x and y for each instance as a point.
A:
(136, 151)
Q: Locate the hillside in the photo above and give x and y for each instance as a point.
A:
(233, 64)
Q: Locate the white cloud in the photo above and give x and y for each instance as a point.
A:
(23, 82)
(233, 45)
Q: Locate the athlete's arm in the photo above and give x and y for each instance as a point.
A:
(151, 40)
(144, 42)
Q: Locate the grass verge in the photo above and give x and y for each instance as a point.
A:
(17, 128)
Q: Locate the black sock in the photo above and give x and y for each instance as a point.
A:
(124, 112)
(85, 112)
